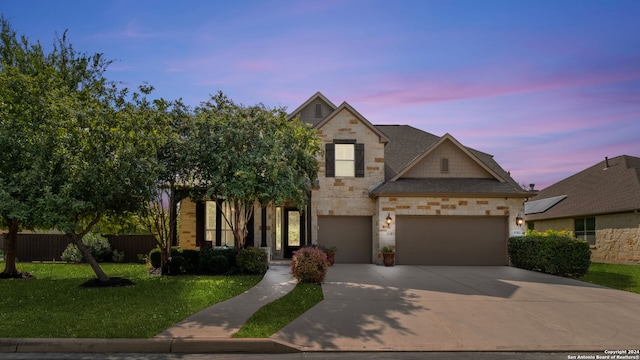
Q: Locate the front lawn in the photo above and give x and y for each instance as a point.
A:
(275, 315)
(55, 306)
(616, 276)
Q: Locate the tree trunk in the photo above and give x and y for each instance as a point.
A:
(11, 250)
(77, 240)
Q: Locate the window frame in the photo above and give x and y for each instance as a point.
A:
(330, 158)
(587, 229)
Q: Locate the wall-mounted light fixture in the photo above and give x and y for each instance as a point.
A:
(388, 219)
(519, 220)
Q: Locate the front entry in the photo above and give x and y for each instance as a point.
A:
(293, 231)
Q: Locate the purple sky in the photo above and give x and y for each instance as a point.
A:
(547, 87)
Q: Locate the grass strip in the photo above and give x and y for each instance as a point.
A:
(616, 276)
(275, 315)
(53, 305)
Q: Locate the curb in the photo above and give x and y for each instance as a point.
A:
(177, 345)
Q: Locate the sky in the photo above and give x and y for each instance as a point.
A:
(548, 87)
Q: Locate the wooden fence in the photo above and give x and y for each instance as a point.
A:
(49, 247)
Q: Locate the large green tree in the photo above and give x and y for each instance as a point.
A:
(73, 146)
(32, 88)
(106, 163)
(250, 155)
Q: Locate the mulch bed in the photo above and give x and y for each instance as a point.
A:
(112, 282)
(21, 275)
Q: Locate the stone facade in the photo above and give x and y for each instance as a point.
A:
(187, 224)
(440, 206)
(617, 236)
(348, 196)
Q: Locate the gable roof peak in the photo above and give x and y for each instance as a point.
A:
(456, 143)
(314, 97)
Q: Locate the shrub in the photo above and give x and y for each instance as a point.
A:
(553, 253)
(252, 260)
(155, 257)
(191, 260)
(117, 257)
(98, 246)
(309, 264)
(72, 254)
(207, 264)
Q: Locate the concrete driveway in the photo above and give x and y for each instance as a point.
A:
(427, 308)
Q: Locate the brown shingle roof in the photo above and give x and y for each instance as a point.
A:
(406, 143)
(448, 187)
(596, 190)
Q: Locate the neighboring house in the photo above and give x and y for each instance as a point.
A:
(600, 204)
(436, 200)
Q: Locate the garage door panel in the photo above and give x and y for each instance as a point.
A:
(451, 240)
(351, 234)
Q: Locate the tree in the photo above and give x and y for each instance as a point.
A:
(249, 156)
(160, 214)
(30, 85)
(106, 163)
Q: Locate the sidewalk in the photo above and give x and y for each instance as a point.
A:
(222, 320)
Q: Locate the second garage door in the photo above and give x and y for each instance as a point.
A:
(350, 234)
(451, 240)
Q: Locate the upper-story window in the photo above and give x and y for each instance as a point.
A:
(344, 158)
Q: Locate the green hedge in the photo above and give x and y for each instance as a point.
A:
(555, 253)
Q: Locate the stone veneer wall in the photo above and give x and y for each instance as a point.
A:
(443, 206)
(348, 196)
(187, 224)
(617, 238)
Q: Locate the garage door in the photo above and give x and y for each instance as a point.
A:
(451, 240)
(351, 234)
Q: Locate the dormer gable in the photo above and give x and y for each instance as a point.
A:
(314, 110)
(345, 107)
(447, 158)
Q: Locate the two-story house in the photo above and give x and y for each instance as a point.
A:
(437, 201)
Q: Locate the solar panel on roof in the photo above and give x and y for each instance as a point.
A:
(542, 205)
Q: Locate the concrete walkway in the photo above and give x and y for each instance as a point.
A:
(224, 319)
(447, 308)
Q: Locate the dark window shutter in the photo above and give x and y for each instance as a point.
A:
(359, 160)
(330, 160)
(200, 224)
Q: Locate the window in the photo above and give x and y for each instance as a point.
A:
(444, 165)
(318, 110)
(344, 158)
(585, 228)
(216, 224)
(278, 228)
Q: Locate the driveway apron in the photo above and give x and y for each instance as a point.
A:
(429, 308)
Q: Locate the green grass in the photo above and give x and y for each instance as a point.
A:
(275, 315)
(616, 276)
(54, 305)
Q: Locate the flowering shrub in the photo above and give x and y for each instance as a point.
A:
(309, 264)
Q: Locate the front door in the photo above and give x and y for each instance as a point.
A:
(293, 231)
